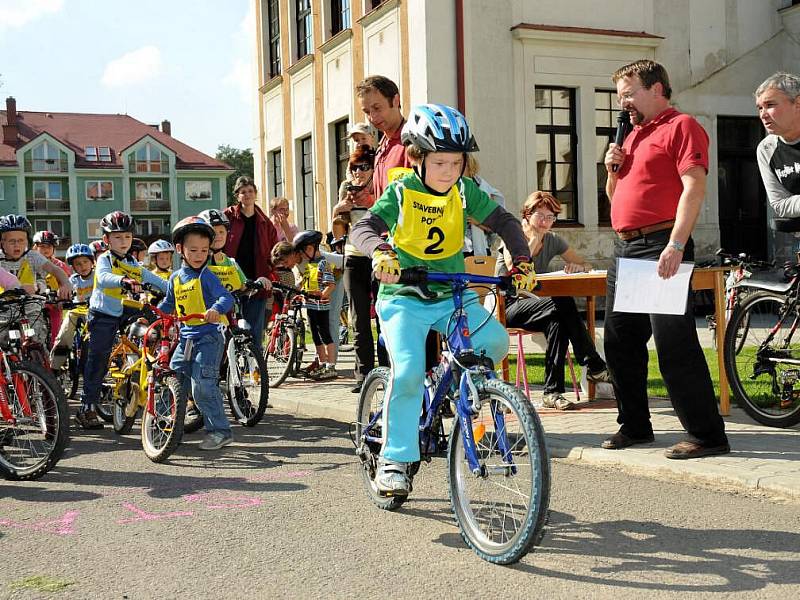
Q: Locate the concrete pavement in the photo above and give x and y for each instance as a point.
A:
(763, 459)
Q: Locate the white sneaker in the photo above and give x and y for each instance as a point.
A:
(392, 478)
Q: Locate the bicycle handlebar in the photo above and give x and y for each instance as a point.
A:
(420, 276)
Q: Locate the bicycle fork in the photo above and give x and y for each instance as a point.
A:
(469, 405)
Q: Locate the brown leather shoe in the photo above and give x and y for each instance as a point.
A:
(619, 440)
(687, 449)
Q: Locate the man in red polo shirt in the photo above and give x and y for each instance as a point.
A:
(656, 194)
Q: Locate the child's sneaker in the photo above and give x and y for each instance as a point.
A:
(310, 369)
(325, 372)
(215, 441)
(87, 419)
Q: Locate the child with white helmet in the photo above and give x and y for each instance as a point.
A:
(160, 253)
(425, 213)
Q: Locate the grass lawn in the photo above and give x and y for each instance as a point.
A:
(655, 385)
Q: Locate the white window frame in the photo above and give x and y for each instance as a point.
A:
(51, 163)
(149, 198)
(91, 153)
(104, 153)
(99, 183)
(149, 219)
(47, 183)
(195, 184)
(93, 231)
(47, 225)
(149, 161)
(2, 190)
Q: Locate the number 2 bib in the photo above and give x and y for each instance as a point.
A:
(228, 276)
(430, 227)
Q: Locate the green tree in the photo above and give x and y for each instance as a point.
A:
(240, 160)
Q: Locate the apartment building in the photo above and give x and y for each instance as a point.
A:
(64, 171)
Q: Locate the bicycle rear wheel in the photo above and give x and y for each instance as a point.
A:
(162, 428)
(246, 381)
(502, 510)
(369, 439)
(279, 353)
(32, 444)
(762, 359)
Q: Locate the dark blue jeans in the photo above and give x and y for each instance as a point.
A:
(102, 331)
(254, 312)
(200, 374)
(680, 357)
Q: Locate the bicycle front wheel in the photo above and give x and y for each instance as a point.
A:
(162, 425)
(34, 441)
(501, 510)
(246, 382)
(762, 359)
(279, 353)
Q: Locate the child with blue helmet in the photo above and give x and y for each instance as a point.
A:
(424, 211)
(80, 259)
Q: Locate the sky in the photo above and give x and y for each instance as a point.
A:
(187, 61)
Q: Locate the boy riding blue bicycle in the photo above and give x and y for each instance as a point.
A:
(425, 214)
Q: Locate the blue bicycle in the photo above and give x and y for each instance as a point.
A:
(498, 466)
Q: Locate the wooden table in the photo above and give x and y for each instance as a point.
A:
(592, 285)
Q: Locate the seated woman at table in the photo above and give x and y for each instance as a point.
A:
(556, 317)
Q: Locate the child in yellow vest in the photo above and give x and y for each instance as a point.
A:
(29, 266)
(160, 253)
(223, 266)
(194, 289)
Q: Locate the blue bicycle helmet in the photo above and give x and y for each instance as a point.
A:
(16, 223)
(77, 250)
(438, 128)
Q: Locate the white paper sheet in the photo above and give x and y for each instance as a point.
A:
(640, 290)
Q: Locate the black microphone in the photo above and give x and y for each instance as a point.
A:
(623, 127)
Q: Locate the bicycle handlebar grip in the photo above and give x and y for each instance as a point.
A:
(413, 276)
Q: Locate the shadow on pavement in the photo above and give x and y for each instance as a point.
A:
(641, 555)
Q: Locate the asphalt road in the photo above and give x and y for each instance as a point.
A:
(281, 514)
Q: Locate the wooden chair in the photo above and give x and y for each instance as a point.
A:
(522, 371)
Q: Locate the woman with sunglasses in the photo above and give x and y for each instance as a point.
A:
(556, 317)
(355, 198)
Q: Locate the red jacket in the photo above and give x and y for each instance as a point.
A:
(266, 235)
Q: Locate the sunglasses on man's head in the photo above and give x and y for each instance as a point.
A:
(361, 167)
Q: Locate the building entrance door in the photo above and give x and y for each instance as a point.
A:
(742, 198)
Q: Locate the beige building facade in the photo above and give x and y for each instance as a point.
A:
(534, 79)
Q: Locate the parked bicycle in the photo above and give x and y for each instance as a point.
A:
(285, 337)
(742, 267)
(498, 467)
(761, 352)
(34, 423)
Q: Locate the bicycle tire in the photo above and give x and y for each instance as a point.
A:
(47, 397)
(162, 430)
(280, 352)
(249, 399)
(490, 540)
(755, 373)
(120, 421)
(369, 402)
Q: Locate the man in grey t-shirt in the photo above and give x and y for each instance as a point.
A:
(778, 103)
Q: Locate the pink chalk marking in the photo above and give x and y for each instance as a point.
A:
(142, 515)
(62, 526)
(238, 501)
